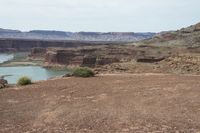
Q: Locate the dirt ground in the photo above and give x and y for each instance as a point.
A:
(110, 103)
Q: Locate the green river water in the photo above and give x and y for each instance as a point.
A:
(36, 73)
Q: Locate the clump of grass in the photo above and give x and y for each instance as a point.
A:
(24, 81)
(83, 72)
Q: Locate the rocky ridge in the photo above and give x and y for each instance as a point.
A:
(188, 37)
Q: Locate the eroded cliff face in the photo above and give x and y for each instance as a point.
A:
(98, 56)
(126, 58)
(85, 57)
(79, 56)
(38, 52)
(27, 44)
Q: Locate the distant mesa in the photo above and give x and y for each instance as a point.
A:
(43, 32)
(77, 36)
(8, 31)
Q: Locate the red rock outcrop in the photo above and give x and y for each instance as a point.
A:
(28, 44)
(98, 56)
(89, 57)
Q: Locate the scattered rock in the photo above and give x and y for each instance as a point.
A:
(184, 64)
(3, 83)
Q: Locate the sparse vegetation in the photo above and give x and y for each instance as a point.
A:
(24, 81)
(83, 72)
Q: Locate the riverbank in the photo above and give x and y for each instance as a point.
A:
(109, 103)
(36, 73)
(21, 64)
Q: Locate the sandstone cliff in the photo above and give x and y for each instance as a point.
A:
(86, 56)
(27, 45)
(103, 55)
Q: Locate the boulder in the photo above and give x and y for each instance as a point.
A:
(3, 83)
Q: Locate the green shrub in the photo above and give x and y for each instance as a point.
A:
(24, 81)
(83, 72)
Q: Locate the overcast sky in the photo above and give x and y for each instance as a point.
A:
(99, 15)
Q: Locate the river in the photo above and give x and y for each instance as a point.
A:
(36, 73)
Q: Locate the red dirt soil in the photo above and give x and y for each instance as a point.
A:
(109, 103)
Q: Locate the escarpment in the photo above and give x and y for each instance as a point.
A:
(103, 55)
(86, 57)
(90, 56)
(28, 44)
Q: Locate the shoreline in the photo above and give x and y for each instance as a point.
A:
(61, 77)
(20, 59)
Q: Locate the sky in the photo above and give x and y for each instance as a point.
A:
(99, 15)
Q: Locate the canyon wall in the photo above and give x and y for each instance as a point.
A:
(27, 45)
(103, 55)
(88, 56)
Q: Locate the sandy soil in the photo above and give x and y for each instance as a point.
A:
(109, 103)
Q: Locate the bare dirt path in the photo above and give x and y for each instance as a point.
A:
(109, 103)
